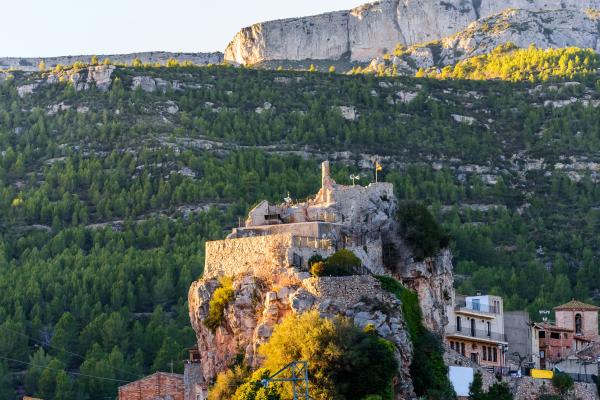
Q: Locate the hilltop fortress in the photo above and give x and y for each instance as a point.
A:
(276, 237)
(268, 261)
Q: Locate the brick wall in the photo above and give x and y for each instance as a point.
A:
(159, 386)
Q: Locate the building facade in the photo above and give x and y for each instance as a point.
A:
(476, 330)
(575, 329)
(158, 386)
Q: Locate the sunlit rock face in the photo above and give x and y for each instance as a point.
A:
(369, 31)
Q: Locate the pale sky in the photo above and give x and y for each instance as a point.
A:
(41, 28)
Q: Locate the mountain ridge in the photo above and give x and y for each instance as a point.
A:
(372, 29)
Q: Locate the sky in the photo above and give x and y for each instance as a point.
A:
(41, 28)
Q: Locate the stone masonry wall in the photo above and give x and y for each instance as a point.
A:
(260, 255)
(346, 290)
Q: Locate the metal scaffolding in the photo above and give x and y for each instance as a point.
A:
(299, 378)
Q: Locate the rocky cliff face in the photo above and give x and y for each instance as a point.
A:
(368, 31)
(544, 29)
(260, 304)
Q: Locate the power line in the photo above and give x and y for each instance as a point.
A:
(68, 372)
(66, 351)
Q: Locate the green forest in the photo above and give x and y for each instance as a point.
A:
(107, 198)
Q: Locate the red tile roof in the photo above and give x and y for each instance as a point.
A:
(577, 305)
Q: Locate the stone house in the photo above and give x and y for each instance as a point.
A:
(476, 330)
(158, 386)
(575, 330)
(168, 386)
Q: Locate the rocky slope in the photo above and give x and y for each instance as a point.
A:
(260, 304)
(370, 30)
(31, 64)
(544, 29)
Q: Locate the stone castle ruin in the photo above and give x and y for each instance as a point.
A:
(288, 234)
(268, 259)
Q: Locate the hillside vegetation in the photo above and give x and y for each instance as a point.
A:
(512, 64)
(107, 198)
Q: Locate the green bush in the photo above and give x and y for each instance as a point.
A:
(499, 391)
(342, 263)
(314, 258)
(562, 382)
(219, 301)
(420, 230)
(427, 369)
(317, 268)
(254, 390)
(344, 361)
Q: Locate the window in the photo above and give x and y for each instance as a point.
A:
(490, 353)
(462, 349)
(473, 327)
(458, 324)
(495, 354)
(452, 345)
(476, 305)
(578, 324)
(554, 335)
(484, 353)
(489, 329)
(542, 335)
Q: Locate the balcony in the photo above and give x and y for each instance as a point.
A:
(466, 331)
(463, 305)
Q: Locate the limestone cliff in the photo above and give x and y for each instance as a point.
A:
(368, 31)
(544, 29)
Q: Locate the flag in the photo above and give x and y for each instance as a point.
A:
(378, 166)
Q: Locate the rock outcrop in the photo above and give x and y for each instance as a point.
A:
(260, 304)
(267, 260)
(371, 30)
(544, 29)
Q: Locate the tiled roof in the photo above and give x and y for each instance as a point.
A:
(577, 305)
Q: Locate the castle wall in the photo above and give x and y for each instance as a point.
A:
(259, 255)
(346, 290)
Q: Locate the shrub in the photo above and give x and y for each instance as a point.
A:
(227, 383)
(562, 382)
(219, 301)
(429, 373)
(499, 391)
(314, 258)
(420, 230)
(476, 388)
(344, 361)
(342, 263)
(317, 268)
